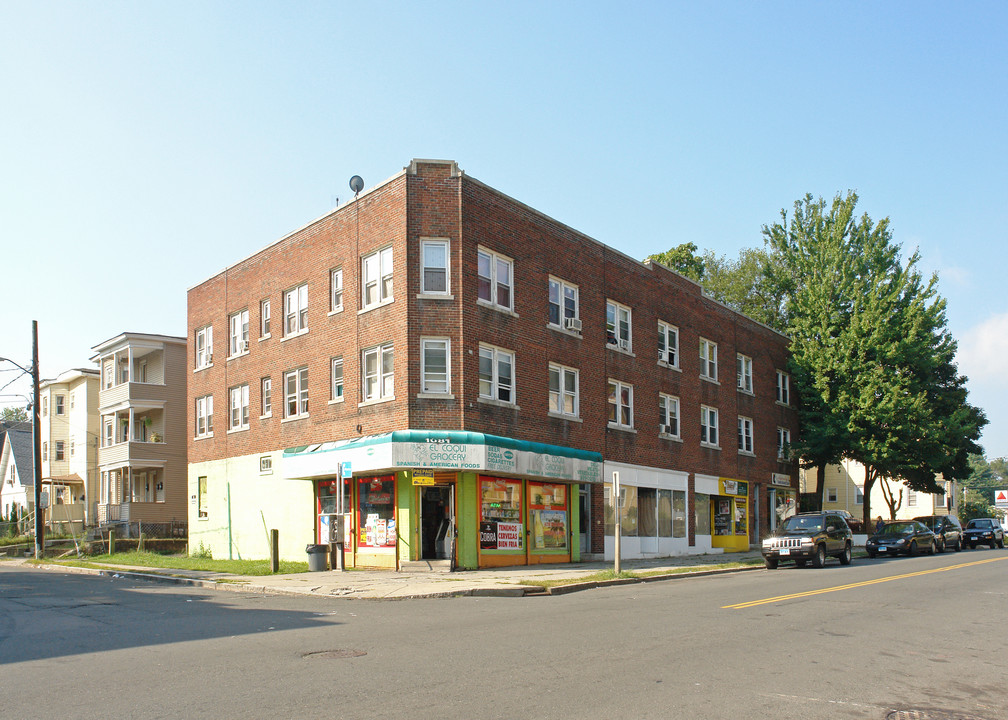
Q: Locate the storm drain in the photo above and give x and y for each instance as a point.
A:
(911, 714)
(333, 654)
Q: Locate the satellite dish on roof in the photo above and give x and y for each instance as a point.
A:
(356, 184)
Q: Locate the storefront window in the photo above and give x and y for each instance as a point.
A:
(664, 513)
(376, 512)
(702, 513)
(741, 519)
(548, 516)
(724, 508)
(628, 512)
(678, 513)
(610, 516)
(500, 514)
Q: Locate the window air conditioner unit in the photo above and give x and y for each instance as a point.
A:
(667, 429)
(245, 346)
(624, 344)
(573, 324)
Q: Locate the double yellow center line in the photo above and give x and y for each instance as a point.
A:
(837, 588)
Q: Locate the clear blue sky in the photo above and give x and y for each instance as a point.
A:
(145, 146)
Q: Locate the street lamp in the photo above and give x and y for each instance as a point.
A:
(36, 437)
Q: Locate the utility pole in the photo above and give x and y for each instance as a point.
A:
(37, 442)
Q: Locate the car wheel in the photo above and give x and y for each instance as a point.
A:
(940, 545)
(933, 549)
(845, 558)
(958, 546)
(913, 548)
(819, 559)
(771, 563)
(872, 554)
(1001, 543)
(993, 544)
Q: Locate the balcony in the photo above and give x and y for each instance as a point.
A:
(133, 453)
(132, 393)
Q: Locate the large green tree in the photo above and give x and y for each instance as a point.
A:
(683, 259)
(14, 414)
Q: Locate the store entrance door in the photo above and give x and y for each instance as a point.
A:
(584, 520)
(437, 522)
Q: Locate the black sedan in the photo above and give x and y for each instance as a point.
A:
(948, 532)
(984, 531)
(901, 536)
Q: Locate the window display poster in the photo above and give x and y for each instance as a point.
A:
(376, 512)
(740, 516)
(549, 529)
(509, 536)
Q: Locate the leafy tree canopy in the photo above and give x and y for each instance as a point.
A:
(14, 414)
(683, 259)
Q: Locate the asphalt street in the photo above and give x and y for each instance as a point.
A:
(919, 635)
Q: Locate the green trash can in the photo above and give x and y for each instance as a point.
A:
(317, 557)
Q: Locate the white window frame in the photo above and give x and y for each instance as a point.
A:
(238, 405)
(204, 416)
(378, 385)
(831, 495)
(60, 405)
(617, 408)
(743, 372)
(561, 396)
(496, 262)
(45, 451)
(911, 498)
(266, 396)
(745, 435)
(264, 318)
(424, 266)
(709, 426)
(783, 388)
(435, 383)
(108, 432)
(668, 344)
(783, 441)
(204, 347)
(858, 496)
(708, 359)
(238, 333)
(295, 308)
(491, 388)
(337, 380)
(376, 275)
(616, 313)
(336, 290)
(296, 395)
(265, 464)
(563, 291)
(668, 415)
(59, 451)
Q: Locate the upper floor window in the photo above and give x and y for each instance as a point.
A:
(204, 347)
(296, 310)
(745, 435)
(563, 390)
(668, 344)
(434, 365)
(494, 278)
(783, 442)
(108, 434)
(45, 451)
(336, 290)
(110, 370)
(708, 359)
(59, 450)
(434, 268)
(45, 406)
(783, 388)
(266, 396)
(240, 407)
(743, 366)
(708, 425)
(71, 401)
(204, 416)
(337, 379)
(379, 373)
(296, 393)
(618, 325)
(563, 305)
(239, 333)
(376, 270)
(264, 319)
(496, 374)
(668, 415)
(620, 404)
(60, 400)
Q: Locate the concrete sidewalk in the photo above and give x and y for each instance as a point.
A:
(390, 585)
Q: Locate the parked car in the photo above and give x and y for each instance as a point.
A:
(947, 530)
(809, 537)
(984, 531)
(902, 536)
(852, 522)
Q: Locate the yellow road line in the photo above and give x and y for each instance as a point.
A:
(809, 593)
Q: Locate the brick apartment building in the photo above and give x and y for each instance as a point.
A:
(475, 371)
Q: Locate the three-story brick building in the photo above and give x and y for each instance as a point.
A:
(470, 372)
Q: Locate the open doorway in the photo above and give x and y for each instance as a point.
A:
(437, 522)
